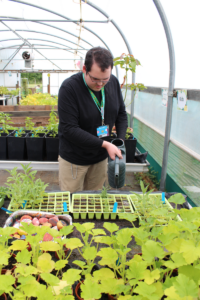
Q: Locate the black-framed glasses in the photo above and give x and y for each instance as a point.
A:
(93, 79)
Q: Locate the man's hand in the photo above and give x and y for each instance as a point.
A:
(112, 150)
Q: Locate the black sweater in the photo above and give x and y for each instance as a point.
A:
(79, 119)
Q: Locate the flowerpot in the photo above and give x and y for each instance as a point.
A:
(3, 296)
(35, 147)
(3, 148)
(16, 147)
(52, 148)
(130, 145)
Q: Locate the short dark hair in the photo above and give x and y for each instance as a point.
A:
(101, 56)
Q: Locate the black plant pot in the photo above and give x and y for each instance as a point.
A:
(35, 147)
(52, 147)
(16, 147)
(130, 145)
(3, 147)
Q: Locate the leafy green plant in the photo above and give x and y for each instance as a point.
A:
(52, 126)
(3, 192)
(19, 132)
(35, 132)
(28, 123)
(128, 63)
(23, 186)
(5, 122)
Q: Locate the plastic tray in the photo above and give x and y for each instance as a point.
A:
(136, 203)
(55, 203)
(92, 205)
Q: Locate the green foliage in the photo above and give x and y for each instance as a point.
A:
(52, 127)
(3, 192)
(28, 123)
(5, 122)
(39, 99)
(23, 186)
(33, 77)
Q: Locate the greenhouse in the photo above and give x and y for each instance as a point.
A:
(99, 150)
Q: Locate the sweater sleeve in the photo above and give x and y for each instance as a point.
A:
(121, 122)
(68, 111)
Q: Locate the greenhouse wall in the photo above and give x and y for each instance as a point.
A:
(184, 150)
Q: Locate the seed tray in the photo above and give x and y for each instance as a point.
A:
(55, 203)
(92, 205)
(155, 202)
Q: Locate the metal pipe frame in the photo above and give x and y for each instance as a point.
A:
(2, 18)
(14, 54)
(170, 92)
(45, 33)
(45, 41)
(60, 15)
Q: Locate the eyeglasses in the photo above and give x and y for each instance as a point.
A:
(98, 80)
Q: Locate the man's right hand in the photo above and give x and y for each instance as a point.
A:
(112, 150)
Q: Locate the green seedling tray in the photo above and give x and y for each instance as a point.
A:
(136, 204)
(96, 206)
(55, 203)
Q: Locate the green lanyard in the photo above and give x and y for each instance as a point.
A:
(98, 105)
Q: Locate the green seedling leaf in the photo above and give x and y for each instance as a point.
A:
(136, 270)
(175, 245)
(167, 238)
(60, 264)
(123, 251)
(49, 246)
(111, 227)
(90, 290)
(84, 227)
(6, 282)
(104, 240)
(25, 270)
(126, 297)
(156, 232)
(30, 290)
(18, 245)
(177, 199)
(176, 262)
(129, 217)
(45, 264)
(44, 293)
(71, 276)
(188, 247)
(168, 282)
(145, 290)
(90, 253)
(103, 273)
(79, 263)
(150, 277)
(125, 236)
(152, 249)
(185, 286)
(73, 243)
(66, 230)
(98, 232)
(4, 258)
(109, 256)
(140, 235)
(193, 272)
(23, 257)
(26, 280)
(7, 231)
(50, 279)
(62, 284)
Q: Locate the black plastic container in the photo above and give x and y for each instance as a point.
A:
(52, 147)
(3, 146)
(130, 145)
(35, 147)
(16, 147)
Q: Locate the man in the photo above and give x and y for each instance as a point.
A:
(89, 103)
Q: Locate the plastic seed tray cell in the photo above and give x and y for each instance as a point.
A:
(84, 205)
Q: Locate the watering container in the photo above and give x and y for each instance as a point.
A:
(117, 167)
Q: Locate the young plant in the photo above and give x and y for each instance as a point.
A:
(29, 124)
(5, 122)
(19, 132)
(52, 126)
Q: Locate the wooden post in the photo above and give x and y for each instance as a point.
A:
(48, 83)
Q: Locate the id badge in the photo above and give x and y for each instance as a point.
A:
(103, 131)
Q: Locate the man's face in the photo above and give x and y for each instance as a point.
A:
(96, 79)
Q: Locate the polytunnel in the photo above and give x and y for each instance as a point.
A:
(99, 150)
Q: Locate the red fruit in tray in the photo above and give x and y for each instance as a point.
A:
(26, 217)
(43, 220)
(47, 237)
(35, 222)
(53, 221)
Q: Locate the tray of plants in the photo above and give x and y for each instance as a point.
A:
(153, 208)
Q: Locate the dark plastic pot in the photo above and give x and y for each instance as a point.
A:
(16, 147)
(52, 147)
(130, 145)
(3, 148)
(35, 147)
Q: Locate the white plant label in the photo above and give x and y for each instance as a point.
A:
(182, 100)
(164, 97)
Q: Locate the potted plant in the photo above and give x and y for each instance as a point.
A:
(35, 144)
(5, 122)
(129, 63)
(51, 138)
